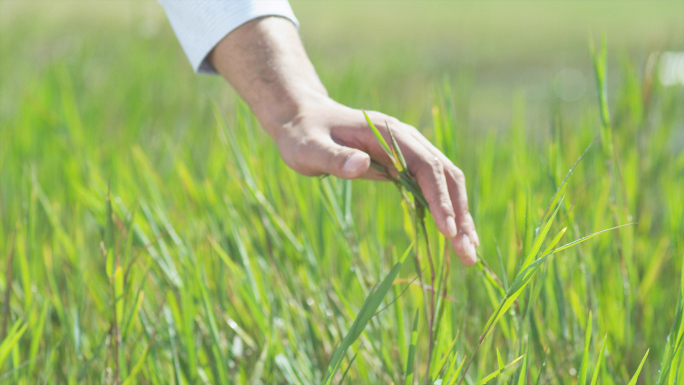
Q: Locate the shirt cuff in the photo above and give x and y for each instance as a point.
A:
(200, 25)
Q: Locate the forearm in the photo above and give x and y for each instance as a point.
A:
(265, 61)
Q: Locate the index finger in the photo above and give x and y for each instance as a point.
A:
(467, 238)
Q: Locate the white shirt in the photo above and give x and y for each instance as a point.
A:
(201, 24)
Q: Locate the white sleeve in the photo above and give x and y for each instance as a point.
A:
(201, 24)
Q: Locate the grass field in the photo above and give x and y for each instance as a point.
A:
(149, 232)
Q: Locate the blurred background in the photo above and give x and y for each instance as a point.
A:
(493, 51)
(98, 97)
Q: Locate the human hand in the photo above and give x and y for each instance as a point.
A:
(267, 65)
(329, 138)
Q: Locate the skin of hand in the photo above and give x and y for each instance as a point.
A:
(265, 61)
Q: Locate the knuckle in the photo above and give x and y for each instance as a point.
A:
(430, 167)
(465, 228)
(379, 119)
(393, 122)
(375, 115)
(435, 165)
(445, 206)
(458, 175)
(336, 153)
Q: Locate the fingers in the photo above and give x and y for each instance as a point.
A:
(464, 249)
(459, 198)
(443, 185)
(429, 173)
(457, 191)
(339, 142)
(321, 155)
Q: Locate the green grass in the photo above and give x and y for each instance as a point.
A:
(149, 232)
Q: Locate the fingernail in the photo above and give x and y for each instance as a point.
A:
(354, 162)
(450, 227)
(476, 239)
(469, 249)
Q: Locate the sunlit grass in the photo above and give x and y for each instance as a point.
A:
(148, 237)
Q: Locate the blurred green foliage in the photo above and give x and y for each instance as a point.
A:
(227, 267)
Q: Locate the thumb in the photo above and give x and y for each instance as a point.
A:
(343, 162)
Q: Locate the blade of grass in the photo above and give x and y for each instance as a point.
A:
(438, 368)
(584, 367)
(411, 359)
(397, 151)
(539, 240)
(351, 362)
(367, 311)
(11, 340)
(380, 139)
(457, 372)
(495, 374)
(599, 361)
(634, 379)
(674, 338)
(519, 283)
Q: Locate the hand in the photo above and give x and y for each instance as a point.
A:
(267, 65)
(329, 138)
